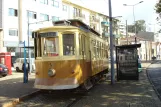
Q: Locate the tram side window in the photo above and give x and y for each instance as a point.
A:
(68, 44)
(51, 47)
(80, 45)
(38, 47)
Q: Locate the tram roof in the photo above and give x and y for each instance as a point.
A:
(77, 23)
(71, 23)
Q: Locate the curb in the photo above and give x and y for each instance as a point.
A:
(152, 82)
(18, 100)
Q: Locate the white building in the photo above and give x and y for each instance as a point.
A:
(122, 28)
(15, 15)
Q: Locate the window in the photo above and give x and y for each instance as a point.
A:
(31, 14)
(13, 32)
(77, 12)
(55, 3)
(68, 44)
(51, 46)
(13, 12)
(64, 8)
(44, 17)
(54, 18)
(44, 1)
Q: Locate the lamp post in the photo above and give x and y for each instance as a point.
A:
(134, 16)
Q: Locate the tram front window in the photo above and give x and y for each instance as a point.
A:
(68, 44)
(51, 47)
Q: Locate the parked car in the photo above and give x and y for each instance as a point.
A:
(19, 62)
(3, 70)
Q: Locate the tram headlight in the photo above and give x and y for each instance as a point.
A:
(51, 72)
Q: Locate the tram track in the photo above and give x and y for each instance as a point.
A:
(54, 98)
(63, 98)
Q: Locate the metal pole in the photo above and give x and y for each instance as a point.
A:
(126, 32)
(134, 24)
(146, 50)
(111, 46)
(29, 42)
(24, 69)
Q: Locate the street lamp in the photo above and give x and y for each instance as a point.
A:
(134, 16)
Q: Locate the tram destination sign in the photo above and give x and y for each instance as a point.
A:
(48, 34)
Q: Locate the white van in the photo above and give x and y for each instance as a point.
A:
(19, 62)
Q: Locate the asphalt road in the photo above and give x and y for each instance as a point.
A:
(154, 74)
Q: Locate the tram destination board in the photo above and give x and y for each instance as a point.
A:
(127, 62)
(49, 34)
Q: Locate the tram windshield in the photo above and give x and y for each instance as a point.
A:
(68, 44)
(51, 46)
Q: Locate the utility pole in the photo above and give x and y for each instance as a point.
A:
(20, 20)
(134, 16)
(111, 46)
(126, 32)
(29, 53)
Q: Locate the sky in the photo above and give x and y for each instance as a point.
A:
(143, 10)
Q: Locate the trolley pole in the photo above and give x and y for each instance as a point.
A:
(111, 46)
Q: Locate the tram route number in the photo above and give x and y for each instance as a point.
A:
(49, 34)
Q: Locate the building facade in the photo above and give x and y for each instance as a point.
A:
(18, 18)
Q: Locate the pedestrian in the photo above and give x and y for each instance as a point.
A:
(139, 64)
(25, 63)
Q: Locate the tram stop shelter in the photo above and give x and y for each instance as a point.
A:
(127, 62)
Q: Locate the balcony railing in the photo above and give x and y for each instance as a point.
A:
(79, 16)
(105, 34)
(105, 23)
(94, 19)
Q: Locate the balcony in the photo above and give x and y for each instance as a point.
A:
(105, 34)
(79, 16)
(105, 23)
(94, 19)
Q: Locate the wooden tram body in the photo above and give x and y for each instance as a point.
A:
(69, 56)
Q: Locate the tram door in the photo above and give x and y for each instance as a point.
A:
(93, 56)
(86, 55)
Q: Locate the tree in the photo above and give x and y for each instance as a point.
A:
(158, 8)
(140, 26)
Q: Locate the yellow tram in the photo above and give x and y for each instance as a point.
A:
(68, 55)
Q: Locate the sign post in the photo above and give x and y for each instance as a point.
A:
(25, 73)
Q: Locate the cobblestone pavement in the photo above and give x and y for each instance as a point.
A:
(12, 87)
(122, 94)
(154, 73)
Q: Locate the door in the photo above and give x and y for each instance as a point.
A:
(93, 56)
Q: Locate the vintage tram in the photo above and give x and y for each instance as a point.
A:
(68, 55)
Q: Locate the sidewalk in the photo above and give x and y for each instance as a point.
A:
(12, 88)
(122, 94)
